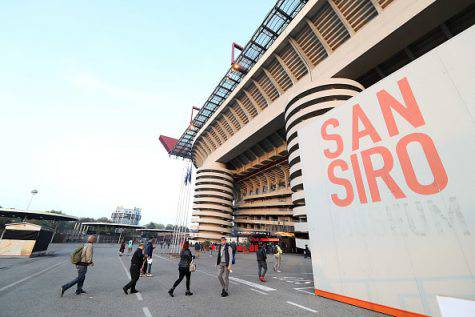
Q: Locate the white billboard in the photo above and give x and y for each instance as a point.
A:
(389, 181)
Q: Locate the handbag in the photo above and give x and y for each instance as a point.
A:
(192, 266)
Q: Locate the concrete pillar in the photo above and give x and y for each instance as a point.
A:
(212, 206)
(308, 104)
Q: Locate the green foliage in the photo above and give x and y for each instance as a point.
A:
(173, 227)
(103, 219)
(154, 225)
(86, 219)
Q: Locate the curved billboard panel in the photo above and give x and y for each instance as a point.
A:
(389, 182)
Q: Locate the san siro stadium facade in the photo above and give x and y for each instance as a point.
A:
(305, 59)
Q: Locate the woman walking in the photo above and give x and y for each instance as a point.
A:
(184, 269)
(122, 248)
(278, 258)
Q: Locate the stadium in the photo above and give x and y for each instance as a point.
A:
(305, 59)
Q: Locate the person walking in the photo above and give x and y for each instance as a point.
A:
(85, 260)
(122, 248)
(197, 249)
(278, 258)
(135, 265)
(261, 262)
(130, 244)
(224, 263)
(186, 257)
(213, 249)
(234, 247)
(306, 252)
(148, 253)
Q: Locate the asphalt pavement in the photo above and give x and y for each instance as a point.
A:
(31, 286)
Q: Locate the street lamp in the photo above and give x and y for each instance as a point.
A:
(33, 193)
(234, 64)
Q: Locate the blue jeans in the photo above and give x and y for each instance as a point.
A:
(82, 269)
(261, 268)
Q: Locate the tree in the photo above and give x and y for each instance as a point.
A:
(175, 227)
(104, 219)
(170, 227)
(154, 225)
(86, 219)
(151, 225)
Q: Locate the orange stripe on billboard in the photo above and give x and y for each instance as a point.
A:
(368, 305)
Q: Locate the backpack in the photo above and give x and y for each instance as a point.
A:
(76, 255)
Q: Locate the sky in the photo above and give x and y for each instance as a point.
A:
(87, 87)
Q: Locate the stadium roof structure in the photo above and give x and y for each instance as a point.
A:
(168, 143)
(274, 23)
(156, 230)
(40, 215)
(111, 224)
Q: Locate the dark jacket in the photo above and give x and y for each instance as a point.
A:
(137, 259)
(261, 254)
(149, 249)
(234, 247)
(226, 254)
(185, 259)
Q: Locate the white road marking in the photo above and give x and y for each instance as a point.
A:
(204, 272)
(31, 276)
(231, 279)
(251, 284)
(216, 276)
(255, 290)
(125, 269)
(294, 280)
(161, 257)
(303, 307)
(147, 312)
(207, 273)
(304, 290)
(139, 296)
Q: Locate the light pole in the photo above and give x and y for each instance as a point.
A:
(33, 193)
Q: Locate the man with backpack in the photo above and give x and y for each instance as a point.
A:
(197, 249)
(261, 262)
(82, 258)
